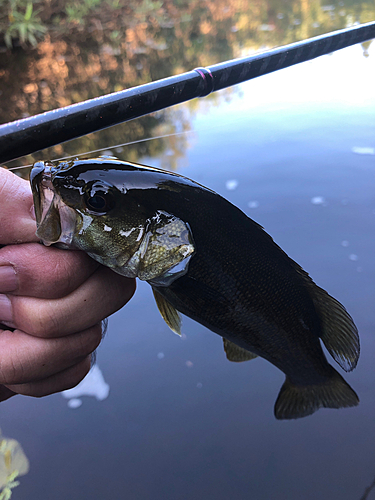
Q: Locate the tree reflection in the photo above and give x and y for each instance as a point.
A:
(104, 47)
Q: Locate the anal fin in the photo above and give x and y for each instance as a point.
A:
(236, 353)
(169, 314)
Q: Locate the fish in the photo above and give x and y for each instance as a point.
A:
(206, 259)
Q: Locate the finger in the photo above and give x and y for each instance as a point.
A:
(56, 383)
(17, 224)
(5, 393)
(44, 272)
(101, 295)
(26, 359)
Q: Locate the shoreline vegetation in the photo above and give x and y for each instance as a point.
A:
(54, 53)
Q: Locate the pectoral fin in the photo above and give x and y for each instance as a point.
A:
(170, 315)
(236, 353)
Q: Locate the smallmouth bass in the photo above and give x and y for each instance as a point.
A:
(206, 259)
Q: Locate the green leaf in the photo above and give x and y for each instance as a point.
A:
(29, 11)
(22, 31)
(8, 40)
(32, 40)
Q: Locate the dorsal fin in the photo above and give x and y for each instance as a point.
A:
(236, 353)
(170, 315)
(339, 333)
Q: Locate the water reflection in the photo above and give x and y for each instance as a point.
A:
(363, 150)
(124, 46)
(92, 385)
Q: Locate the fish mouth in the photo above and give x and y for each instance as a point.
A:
(56, 222)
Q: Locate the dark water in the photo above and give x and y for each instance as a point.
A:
(296, 151)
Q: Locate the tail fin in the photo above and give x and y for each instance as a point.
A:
(299, 401)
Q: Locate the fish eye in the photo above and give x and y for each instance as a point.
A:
(99, 202)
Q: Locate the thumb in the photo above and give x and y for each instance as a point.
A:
(17, 220)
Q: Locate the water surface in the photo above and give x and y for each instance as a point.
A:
(296, 151)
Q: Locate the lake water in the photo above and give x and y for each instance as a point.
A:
(172, 418)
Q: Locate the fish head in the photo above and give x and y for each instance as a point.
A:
(96, 206)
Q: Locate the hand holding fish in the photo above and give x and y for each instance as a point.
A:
(52, 299)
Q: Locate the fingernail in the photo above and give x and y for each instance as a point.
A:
(5, 308)
(8, 279)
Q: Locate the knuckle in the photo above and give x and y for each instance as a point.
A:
(89, 340)
(61, 274)
(66, 267)
(45, 324)
(64, 381)
(10, 372)
(94, 337)
(39, 318)
(78, 373)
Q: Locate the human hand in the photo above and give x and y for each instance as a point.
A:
(53, 299)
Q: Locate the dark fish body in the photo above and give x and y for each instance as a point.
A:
(236, 281)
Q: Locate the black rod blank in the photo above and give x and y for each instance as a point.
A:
(32, 134)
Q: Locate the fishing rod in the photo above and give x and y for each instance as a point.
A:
(34, 133)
